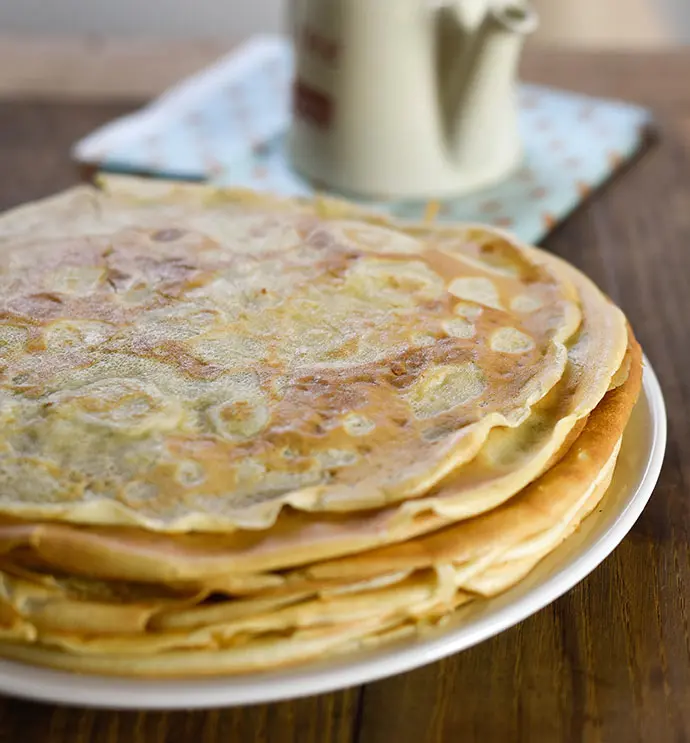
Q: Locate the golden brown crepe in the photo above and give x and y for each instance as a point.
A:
(182, 366)
(239, 431)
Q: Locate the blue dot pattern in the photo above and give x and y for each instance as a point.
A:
(227, 125)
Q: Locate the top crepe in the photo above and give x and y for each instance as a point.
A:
(183, 358)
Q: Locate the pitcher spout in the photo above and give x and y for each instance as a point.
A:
(480, 108)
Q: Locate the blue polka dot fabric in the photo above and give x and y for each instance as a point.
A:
(227, 125)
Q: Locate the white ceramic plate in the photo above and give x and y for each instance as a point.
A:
(638, 469)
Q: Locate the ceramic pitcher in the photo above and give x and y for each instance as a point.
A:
(407, 98)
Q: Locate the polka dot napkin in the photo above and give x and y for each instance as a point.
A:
(227, 124)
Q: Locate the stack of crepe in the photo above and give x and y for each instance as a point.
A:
(239, 432)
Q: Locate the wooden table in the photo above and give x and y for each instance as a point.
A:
(608, 662)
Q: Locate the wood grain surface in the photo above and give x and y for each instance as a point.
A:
(610, 661)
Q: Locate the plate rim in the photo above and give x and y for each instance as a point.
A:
(85, 690)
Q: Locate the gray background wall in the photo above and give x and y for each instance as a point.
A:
(595, 22)
(172, 18)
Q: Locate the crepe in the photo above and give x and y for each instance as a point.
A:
(269, 652)
(67, 603)
(200, 365)
(239, 431)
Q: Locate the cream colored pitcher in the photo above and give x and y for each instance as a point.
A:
(407, 98)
